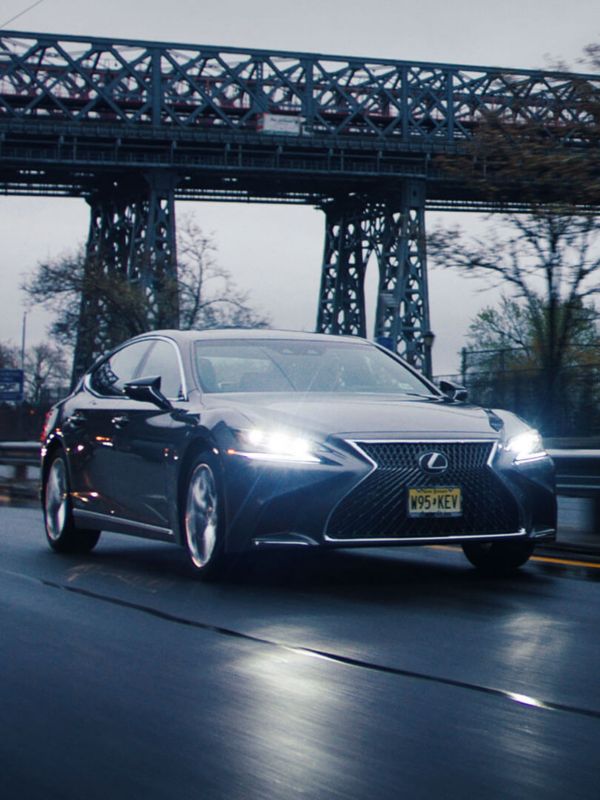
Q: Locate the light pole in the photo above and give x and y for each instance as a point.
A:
(428, 339)
(21, 407)
(23, 335)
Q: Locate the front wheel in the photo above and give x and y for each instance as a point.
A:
(498, 557)
(61, 533)
(204, 522)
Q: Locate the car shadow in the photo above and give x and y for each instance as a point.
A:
(373, 576)
(386, 575)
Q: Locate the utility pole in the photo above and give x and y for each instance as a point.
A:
(21, 407)
(23, 335)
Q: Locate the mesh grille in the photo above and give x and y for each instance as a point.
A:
(378, 507)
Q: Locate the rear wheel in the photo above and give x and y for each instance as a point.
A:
(204, 521)
(61, 533)
(498, 557)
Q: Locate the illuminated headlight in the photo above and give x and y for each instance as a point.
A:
(526, 446)
(276, 445)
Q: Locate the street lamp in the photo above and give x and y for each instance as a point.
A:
(428, 339)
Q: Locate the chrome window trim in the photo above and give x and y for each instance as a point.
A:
(184, 389)
(87, 382)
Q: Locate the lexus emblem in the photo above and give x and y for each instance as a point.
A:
(433, 463)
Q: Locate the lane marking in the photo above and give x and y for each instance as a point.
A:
(334, 658)
(569, 562)
(566, 561)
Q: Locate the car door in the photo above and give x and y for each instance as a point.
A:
(142, 441)
(90, 428)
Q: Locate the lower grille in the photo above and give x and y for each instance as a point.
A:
(378, 507)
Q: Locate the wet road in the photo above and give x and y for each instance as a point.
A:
(379, 674)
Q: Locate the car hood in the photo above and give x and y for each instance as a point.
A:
(364, 415)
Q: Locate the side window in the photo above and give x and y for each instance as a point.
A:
(163, 361)
(112, 374)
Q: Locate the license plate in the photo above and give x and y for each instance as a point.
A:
(438, 501)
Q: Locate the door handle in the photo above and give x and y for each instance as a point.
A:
(120, 422)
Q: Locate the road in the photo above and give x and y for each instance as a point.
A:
(367, 674)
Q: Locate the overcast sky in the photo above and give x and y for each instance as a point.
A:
(276, 251)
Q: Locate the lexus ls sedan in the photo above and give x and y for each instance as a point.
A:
(228, 441)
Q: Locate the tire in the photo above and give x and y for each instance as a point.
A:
(498, 557)
(61, 533)
(204, 520)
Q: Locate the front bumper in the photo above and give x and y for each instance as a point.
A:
(353, 501)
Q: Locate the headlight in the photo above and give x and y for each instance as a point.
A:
(526, 446)
(275, 445)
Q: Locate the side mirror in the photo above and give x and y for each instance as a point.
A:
(453, 391)
(147, 390)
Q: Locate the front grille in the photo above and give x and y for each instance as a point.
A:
(378, 507)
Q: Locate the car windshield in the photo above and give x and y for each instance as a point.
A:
(302, 366)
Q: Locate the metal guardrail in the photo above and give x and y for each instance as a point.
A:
(20, 455)
(19, 488)
(577, 472)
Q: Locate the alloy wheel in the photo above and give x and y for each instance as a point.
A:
(56, 499)
(201, 516)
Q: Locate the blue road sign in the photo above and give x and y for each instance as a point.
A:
(11, 385)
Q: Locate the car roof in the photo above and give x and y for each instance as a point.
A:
(246, 334)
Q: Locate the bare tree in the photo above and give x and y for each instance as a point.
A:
(9, 358)
(551, 263)
(207, 294)
(546, 255)
(59, 285)
(505, 334)
(46, 372)
(550, 260)
(506, 326)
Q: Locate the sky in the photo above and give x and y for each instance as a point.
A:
(272, 251)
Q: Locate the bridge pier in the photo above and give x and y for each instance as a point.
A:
(403, 299)
(130, 271)
(347, 250)
(392, 227)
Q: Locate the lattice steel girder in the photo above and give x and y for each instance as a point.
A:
(398, 236)
(131, 237)
(206, 88)
(342, 299)
(393, 228)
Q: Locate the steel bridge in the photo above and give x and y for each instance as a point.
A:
(132, 126)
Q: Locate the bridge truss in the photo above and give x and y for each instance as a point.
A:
(133, 126)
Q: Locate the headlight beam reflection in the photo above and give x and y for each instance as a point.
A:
(333, 658)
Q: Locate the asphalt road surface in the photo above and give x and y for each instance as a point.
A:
(365, 674)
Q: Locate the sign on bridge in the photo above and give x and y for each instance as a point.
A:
(11, 385)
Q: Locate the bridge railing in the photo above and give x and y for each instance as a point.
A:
(47, 77)
(18, 460)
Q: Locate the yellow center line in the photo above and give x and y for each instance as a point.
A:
(567, 562)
